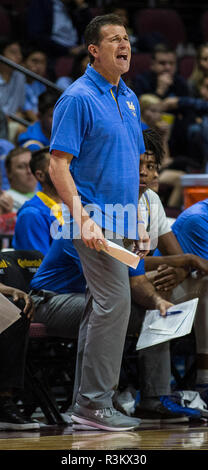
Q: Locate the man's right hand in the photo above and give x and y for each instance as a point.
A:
(92, 235)
(164, 81)
(6, 203)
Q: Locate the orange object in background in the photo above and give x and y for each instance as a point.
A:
(7, 223)
(195, 188)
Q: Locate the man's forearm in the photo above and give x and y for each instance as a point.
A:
(143, 292)
(63, 181)
(66, 189)
(177, 261)
(6, 290)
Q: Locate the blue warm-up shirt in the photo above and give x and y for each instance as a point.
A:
(61, 270)
(99, 124)
(191, 229)
(32, 229)
(33, 137)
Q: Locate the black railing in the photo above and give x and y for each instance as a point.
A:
(18, 119)
(30, 74)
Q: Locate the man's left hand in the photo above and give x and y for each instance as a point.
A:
(168, 277)
(29, 306)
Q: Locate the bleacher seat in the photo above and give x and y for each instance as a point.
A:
(186, 65)
(167, 22)
(139, 63)
(204, 26)
(63, 66)
(5, 22)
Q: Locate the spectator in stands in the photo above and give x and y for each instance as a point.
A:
(79, 65)
(151, 116)
(35, 217)
(35, 60)
(38, 134)
(195, 111)
(6, 201)
(57, 27)
(200, 70)
(162, 78)
(12, 82)
(5, 147)
(13, 347)
(21, 180)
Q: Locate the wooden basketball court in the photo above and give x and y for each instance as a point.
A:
(187, 436)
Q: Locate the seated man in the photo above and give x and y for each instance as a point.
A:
(21, 180)
(5, 147)
(191, 231)
(13, 347)
(12, 82)
(156, 222)
(35, 217)
(189, 234)
(162, 78)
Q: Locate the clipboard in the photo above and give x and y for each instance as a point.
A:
(164, 329)
(9, 313)
(121, 254)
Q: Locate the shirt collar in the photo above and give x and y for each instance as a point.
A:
(102, 83)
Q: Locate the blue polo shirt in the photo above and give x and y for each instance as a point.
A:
(100, 125)
(61, 270)
(191, 229)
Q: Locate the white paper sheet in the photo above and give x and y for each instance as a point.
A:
(170, 327)
(123, 255)
(9, 313)
(170, 323)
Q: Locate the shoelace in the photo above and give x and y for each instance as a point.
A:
(107, 412)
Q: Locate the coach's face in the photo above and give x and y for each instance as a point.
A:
(112, 55)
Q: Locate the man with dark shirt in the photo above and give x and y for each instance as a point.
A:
(162, 79)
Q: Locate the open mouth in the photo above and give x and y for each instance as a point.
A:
(122, 56)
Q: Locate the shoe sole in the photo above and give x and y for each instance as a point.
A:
(95, 425)
(19, 427)
(168, 420)
(82, 427)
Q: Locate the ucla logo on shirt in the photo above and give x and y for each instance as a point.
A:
(131, 107)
